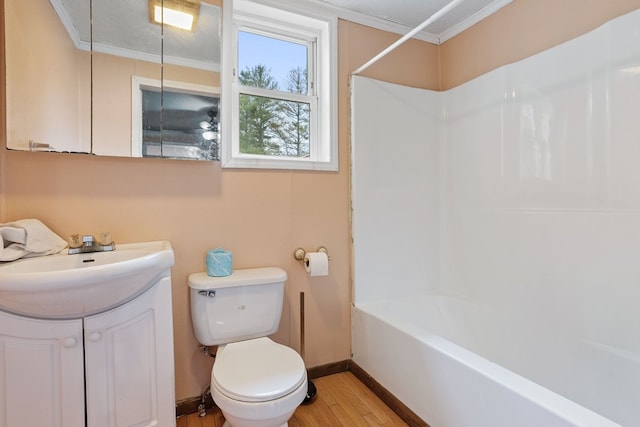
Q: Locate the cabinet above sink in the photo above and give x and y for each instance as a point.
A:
(73, 286)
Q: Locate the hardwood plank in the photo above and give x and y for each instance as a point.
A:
(326, 396)
(347, 417)
(213, 418)
(342, 400)
(382, 413)
(201, 421)
(317, 414)
(372, 420)
(410, 417)
(344, 393)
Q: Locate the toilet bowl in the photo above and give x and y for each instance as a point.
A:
(255, 381)
(258, 383)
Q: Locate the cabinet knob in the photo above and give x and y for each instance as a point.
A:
(69, 342)
(95, 336)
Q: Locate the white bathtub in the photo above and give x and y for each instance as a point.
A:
(456, 364)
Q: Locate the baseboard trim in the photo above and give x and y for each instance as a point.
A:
(328, 369)
(190, 405)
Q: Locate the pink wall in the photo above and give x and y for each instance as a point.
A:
(33, 105)
(262, 216)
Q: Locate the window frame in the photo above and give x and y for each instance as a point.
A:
(319, 34)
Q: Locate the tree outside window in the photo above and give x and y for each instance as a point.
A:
(272, 126)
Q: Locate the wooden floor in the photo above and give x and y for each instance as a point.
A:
(342, 400)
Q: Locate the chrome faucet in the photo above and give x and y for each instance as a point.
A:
(90, 244)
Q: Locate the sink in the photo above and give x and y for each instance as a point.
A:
(65, 286)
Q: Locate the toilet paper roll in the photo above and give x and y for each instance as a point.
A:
(316, 263)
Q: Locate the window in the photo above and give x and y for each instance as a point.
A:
(279, 84)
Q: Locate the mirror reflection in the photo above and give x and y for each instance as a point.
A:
(103, 77)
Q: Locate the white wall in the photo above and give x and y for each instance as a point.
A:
(525, 178)
(542, 179)
(395, 189)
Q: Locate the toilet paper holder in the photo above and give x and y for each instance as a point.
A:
(299, 253)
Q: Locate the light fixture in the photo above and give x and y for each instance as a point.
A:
(181, 14)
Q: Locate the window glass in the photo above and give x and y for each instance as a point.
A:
(270, 123)
(276, 57)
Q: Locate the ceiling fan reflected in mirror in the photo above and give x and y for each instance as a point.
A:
(210, 126)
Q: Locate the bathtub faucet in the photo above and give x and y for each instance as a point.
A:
(90, 244)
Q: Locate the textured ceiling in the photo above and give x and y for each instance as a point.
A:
(123, 27)
(401, 16)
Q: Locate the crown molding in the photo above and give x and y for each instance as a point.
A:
(472, 20)
(323, 8)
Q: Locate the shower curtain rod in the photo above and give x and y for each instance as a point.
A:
(410, 34)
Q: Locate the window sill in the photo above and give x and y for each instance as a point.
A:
(266, 162)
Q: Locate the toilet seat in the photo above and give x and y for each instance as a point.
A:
(257, 370)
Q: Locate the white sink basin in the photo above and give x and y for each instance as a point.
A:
(72, 286)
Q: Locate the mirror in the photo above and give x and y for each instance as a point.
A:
(101, 77)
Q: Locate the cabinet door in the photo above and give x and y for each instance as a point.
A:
(41, 372)
(129, 362)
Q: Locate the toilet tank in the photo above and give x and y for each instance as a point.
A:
(247, 304)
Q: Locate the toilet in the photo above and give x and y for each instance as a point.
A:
(255, 381)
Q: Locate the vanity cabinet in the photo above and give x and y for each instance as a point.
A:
(117, 364)
(41, 372)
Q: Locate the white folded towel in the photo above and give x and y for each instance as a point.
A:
(27, 238)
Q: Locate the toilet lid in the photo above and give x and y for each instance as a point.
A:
(257, 370)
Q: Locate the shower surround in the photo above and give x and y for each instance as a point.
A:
(501, 220)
